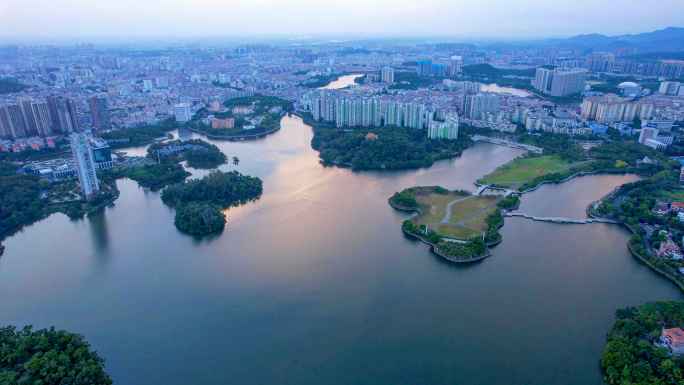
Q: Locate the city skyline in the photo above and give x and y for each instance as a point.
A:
(37, 19)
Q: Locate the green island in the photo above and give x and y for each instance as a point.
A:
(48, 356)
(166, 168)
(154, 175)
(199, 219)
(267, 108)
(460, 226)
(630, 356)
(207, 157)
(129, 137)
(197, 201)
(394, 148)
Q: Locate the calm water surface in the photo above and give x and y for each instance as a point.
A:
(513, 91)
(315, 283)
(342, 82)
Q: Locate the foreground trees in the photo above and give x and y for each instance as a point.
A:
(48, 356)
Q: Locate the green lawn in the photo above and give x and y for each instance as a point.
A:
(432, 207)
(453, 231)
(479, 221)
(461, 210)
(523, 169)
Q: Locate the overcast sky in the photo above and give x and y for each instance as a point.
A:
(344, 18)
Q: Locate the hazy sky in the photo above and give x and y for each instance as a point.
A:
(293, 18)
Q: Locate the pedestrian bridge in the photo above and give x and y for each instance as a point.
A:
(564, 220)
(508, 143)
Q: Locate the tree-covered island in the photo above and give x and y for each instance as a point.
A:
(198, 202)
(393, 148)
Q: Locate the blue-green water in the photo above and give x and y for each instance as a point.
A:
(316, 284)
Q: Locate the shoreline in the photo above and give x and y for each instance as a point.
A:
(434, 247)
(315, 125)
(239, 137)
(235, 137)
(648, 263)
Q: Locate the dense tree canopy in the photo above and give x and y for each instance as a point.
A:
(396, 147)
(19, 197)
(199, 219)
(155, 175)
(212, 157)
(218, 187)
(7, 86)
(48, 356)
(630, 356)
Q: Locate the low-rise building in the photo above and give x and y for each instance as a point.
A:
(672, 339)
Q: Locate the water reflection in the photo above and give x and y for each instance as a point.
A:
(342, 82)
(97, 224)
(316, 279)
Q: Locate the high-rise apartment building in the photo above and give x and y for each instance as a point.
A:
(560, 81)
(444, 130)
(42, 118)
(414, 115)
(542, 80)
(387, 75)
(568, 81)
(29, 119)
(475, 106)
(84, 160)
(394, 114)
(612, 108)
(671, 88)
(424, 68)
(182, 112)
(12, 122)
(63, 114)
(99, 112)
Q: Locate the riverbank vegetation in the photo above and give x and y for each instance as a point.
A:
(197, 201)
(630, 356)
(395, 147)
(48, 356)
(155, 175)
(19, 198)
(27, 198)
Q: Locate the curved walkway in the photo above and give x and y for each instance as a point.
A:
(462, 222)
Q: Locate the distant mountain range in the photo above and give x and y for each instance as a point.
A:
(670, 39)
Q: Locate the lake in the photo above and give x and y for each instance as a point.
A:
(342, 82)
(316, 283)
(498, 89)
